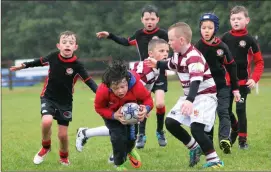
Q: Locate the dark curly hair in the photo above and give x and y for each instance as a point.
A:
(115, 73)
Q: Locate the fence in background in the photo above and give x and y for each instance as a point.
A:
(10, 80)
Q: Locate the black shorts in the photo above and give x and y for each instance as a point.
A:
(61, 113)
(160, 83)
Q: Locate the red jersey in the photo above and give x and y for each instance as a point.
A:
(107, 103)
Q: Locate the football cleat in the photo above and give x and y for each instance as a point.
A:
(218, 164)
(140, 142)
(194, 156)
(81, 139)
(162, 141)
(40, 156)
(64, 161)
(135, 159)
(225, 146)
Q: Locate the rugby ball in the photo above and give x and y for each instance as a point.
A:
(130, 112)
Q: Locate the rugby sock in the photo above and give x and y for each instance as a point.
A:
(160, 114)
(242, 137)
(197, 130)
(142, 126)
(46, 144)
(212, 156)
(98, 131)
(192, 144)
(63, 154)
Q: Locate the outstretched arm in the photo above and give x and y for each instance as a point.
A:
(42, 61)
(117, 39)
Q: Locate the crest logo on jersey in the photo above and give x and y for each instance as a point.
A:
(69, 71)
(242, 43)
(196, 112)
(67, 114)
(219, 52)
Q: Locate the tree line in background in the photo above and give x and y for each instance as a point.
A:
(30, 28)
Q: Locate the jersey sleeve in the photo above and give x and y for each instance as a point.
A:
(257, 59)
(196, 68)
(86, 78)
(132, 39)
(172, 62)
(42, 61)
(228, 59)
(230, 67)
(101, 103)
(123, 41)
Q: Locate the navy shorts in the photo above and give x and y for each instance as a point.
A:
(160, 83)
(61, 113)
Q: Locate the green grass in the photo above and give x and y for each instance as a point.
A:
(21, 135)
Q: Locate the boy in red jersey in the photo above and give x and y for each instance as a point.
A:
(120, 86)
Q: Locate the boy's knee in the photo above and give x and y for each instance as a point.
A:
(160, 104)
(47, 120)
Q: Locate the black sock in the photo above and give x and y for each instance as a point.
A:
(142, 126)
(160, 114)
(203, 140)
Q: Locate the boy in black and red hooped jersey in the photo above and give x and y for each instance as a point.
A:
(244, 48)
(141, 38)
(57, 94)
(223, 69)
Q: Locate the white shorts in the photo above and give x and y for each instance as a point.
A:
(204, 111)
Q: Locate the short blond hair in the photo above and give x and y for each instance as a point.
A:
(154, 42)
(238, 9)
(182, 30)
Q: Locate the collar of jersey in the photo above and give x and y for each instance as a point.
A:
(68, 60)
(150, 32)
(215, 43)
(241, 32)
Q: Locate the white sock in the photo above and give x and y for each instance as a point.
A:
(192, 144)
(212, 157)
(98, 131)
